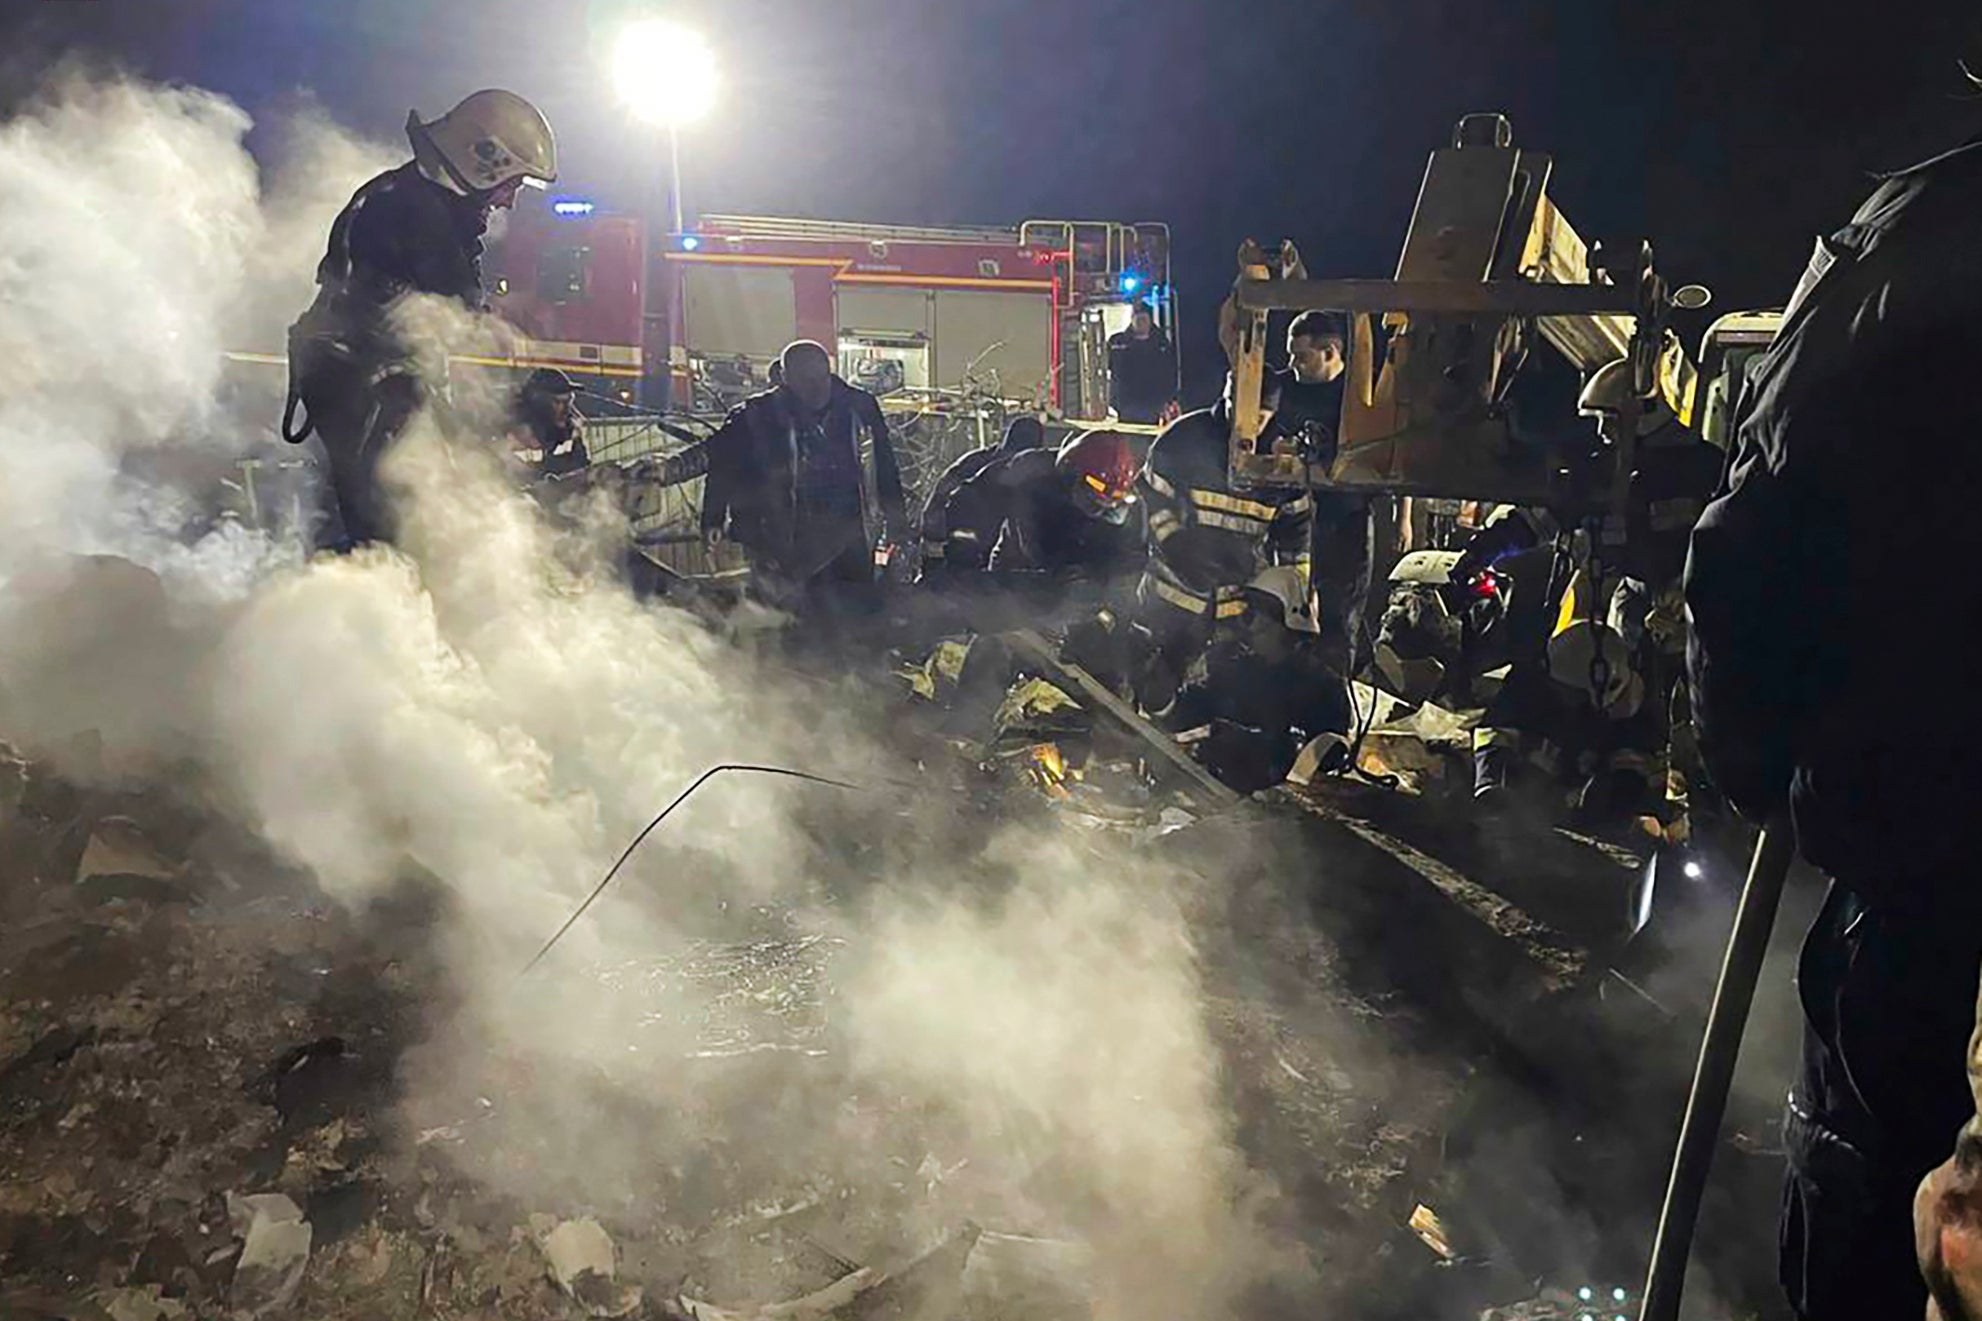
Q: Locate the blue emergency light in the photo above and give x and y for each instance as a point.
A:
(568, 207)
(690, 242)
(1131, 282)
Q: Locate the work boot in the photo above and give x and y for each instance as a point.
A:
(1493, 767)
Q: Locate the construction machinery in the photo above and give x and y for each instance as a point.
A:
(1490, 267)
(1732, 343)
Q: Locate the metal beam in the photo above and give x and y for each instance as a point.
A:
(1506, 297)
(1031, 646)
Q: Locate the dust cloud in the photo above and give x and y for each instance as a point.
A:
(488, 710)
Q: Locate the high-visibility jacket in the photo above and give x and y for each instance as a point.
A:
(1208, 538)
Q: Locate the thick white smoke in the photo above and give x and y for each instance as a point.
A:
(121, 245)
(487, 707)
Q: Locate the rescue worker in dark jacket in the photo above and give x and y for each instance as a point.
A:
(1208, 539)
(1069, 545)
(786, 481)
(1847, 509)
(547, 434)
(1068, 514)
(416, 229)
(961, 536)
(1142, 369)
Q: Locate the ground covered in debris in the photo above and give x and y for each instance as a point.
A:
(204, 1112)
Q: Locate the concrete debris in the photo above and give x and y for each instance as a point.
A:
(144, 1304)
(275, 1250)
(1038, 1278)
(579, 1257)
(929, 1286)
(821, 1303)
(118, 847)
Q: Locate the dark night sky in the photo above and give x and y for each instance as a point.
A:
(1729, 131)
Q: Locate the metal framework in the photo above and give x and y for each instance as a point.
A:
(1488, 266)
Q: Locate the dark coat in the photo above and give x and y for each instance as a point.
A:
(1142, 374)
(1206, 537)
(1835, 571)
(1830, 584)
(1042, 531)
(797, 492)
(401, 233)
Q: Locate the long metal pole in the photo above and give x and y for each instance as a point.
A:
(674, 177)
(1706, 1107)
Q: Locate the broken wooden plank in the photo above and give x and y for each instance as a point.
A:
(1028, 644)
(1559, 957)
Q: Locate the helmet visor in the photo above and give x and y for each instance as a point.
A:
(1104, 500)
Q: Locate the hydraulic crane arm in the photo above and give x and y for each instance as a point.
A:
(1489, 264)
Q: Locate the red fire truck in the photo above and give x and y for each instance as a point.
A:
(1018, 315)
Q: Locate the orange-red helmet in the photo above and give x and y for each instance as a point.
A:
(1101, 467)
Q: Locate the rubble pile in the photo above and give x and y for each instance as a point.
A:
(202, 1112)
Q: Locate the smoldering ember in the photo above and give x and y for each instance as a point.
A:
(707, 680)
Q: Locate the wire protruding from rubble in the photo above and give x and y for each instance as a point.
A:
(638, 839)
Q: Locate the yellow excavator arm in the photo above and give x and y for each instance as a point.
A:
(1489, 266)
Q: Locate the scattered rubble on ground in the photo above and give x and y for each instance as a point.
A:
(200, 1108)
(275, 1250)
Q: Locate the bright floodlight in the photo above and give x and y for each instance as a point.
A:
(665, 73)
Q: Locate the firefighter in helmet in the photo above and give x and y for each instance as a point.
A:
(1069, 513)
(1267, 689)
(1209, 537)
(354, 380)
(1064, 525)
(1066, 542)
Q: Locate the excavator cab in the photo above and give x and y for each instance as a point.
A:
(1491, 272)
(1729, 349)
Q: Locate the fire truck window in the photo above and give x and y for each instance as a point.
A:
(561, 274)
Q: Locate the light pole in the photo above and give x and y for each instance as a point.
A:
(665, 75)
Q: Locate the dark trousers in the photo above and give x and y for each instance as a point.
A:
(357, 427)
(1889, 1002)
(1343, 555)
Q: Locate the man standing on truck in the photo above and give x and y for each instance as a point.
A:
(1852, 479)
(1142, 369)
(787, 483)
(416, 229)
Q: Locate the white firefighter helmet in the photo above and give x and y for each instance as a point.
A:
(490, 138)
(1609, 397)
(1426, 567)
(1288, 587)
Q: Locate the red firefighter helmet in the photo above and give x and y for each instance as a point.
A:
(1101, 467)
